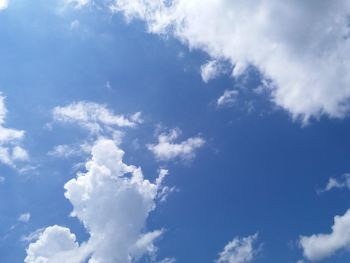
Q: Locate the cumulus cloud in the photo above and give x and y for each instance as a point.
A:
(113, 201)
(3, 4)
(228, 98)
(239, 250)
(166, 149)
(320, 246)
(10, 139)
(94, 117)
(55, 244)
(307, 65)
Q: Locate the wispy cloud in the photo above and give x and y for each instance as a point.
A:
(239, 250)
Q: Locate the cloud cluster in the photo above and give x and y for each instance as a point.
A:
(166, 149)
(10, 139)
(239, 250)
(113, 201)
(307, 65)
(320, 246)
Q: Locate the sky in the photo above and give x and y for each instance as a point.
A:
(174, 131)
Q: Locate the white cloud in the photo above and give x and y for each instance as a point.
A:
(74, 24)
(32, 236)
(320, 246)
(308, 64)
(94, 117)
(10, 139)
(78, 3)
(55, 244)
(228, 98)
(168, 260)
(3, 4)
(20, 154)
(166, 149)
(24, 217)
(113, 201)
(239, 250)
(66, 151)
(210, 70)
(340, 183)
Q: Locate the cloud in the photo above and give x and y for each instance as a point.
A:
(94, 117)
(307, 65)
(3, 4)
(67, 151)
(320, 246)
(20, 154)
(166, 149)
(24, 217)
(77, 3)
(10, 139)
(55, 244)
(341, 183)
(113, 202)
(168, 260)
(74, 24)
(228, 98)
(210, 70)
(239, 250)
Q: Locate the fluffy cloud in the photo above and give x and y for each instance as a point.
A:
(166, 149)
(3, 4)
(228, 98)
(10, 149)
(55, 244)
(307, 65)
(94, 117)
(239, 250)
(320, 246)
(113, 201)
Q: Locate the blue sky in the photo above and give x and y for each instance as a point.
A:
(236, 115)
